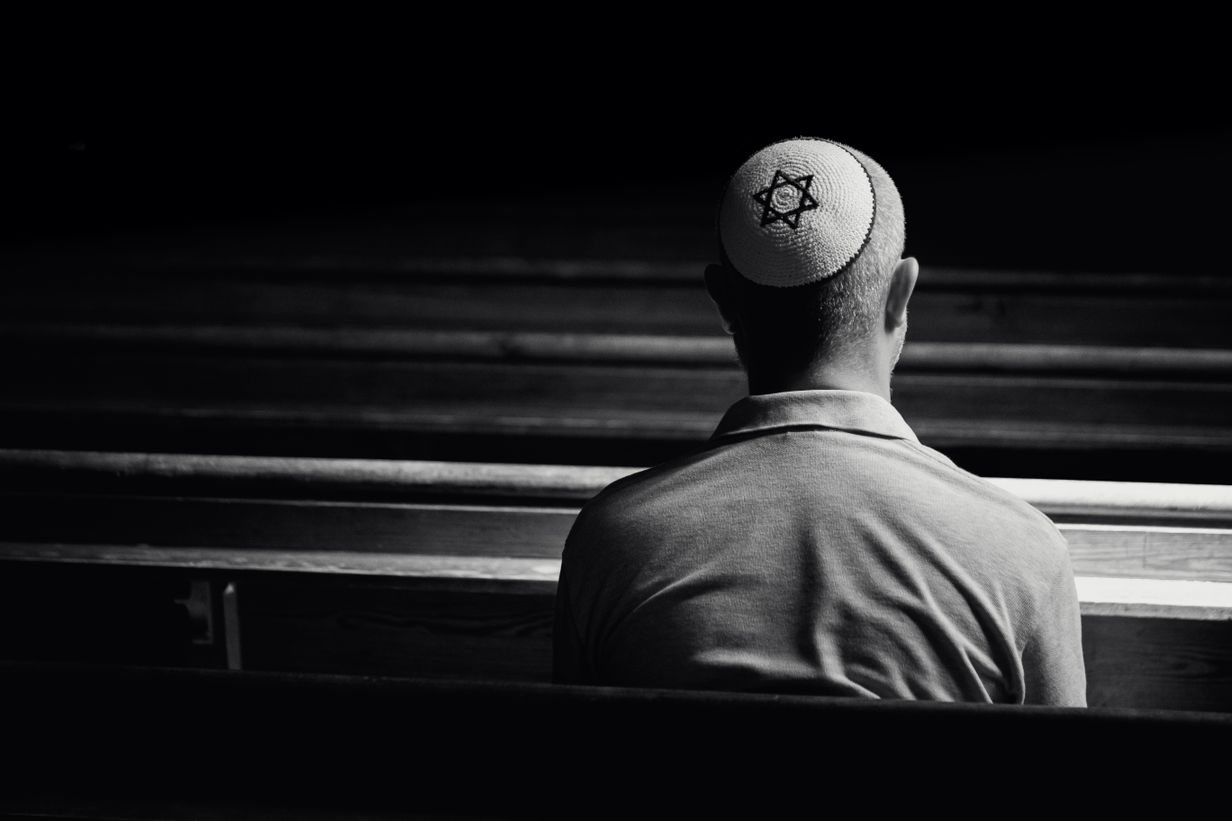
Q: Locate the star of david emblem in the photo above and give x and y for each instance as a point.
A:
(772, 213)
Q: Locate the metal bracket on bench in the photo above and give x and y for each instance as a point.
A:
(231, 626)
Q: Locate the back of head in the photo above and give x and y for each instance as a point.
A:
(813, 229)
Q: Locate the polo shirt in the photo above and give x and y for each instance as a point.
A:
(815, 546)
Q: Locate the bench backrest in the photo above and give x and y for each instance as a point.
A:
(125, 739)
(600, 362)
(450, 569)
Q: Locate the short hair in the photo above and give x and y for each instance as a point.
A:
(784, 330)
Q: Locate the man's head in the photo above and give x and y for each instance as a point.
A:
(811, 236)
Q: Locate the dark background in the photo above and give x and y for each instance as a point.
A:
(1048, 155)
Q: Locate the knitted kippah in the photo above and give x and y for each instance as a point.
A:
(797, 211)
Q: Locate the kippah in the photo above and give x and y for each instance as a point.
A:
(797, 211)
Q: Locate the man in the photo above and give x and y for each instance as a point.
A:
(814, 545)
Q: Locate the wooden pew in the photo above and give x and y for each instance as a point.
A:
(449, 569)
(101, 742)
(593, 363)
(585, 295)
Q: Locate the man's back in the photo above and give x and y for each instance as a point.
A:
(816, 546)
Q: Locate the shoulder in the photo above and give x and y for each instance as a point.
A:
(621, 498)
(649, 500)
(1007, 544)
(986, 496)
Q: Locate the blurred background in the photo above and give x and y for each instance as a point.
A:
(1069, 174)
(343, 252)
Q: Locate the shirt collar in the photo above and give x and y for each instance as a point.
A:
(852, 411)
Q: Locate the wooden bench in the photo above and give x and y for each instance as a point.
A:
(591, 362)
(216, 744)
(606, 295)
(449, 569)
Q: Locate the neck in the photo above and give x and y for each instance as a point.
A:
(867, 372)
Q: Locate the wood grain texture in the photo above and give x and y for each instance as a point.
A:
(605, 296)
(309, 478)
(358, 628)
(1130, 597)
(1158, 552)
(583, 347)
(255, 524)
(384, 357)
(465, 588)
(1114, 529)
(351, 355)
(1141, 662)
(1190, 599)
(607, 401)
(1130, 550)
(658, 270)
(453, 628)
(1131, 662)
(514, 575)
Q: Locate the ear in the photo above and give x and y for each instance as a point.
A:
(718, 285)
(902, 284)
